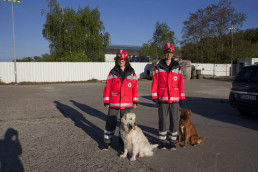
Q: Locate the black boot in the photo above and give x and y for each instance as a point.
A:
(172, 146)
(106, 146)
(162, 144)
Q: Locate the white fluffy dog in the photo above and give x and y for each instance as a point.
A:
(135, 142)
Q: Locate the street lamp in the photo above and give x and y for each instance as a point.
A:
(15, 71)
(231, 29)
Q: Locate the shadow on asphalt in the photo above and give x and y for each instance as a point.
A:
(10, 150)
(91, 129)
(90, 111)
(145, 129)
(218, 109)
(151, 105)
(81, 122)
(96, 113)
(147, 97)
(88, 127)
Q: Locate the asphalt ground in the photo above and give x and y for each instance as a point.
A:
(59, 127)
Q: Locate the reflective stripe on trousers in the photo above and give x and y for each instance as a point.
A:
(171, 110)
(162, 135)
(172, 136)
(111, 122)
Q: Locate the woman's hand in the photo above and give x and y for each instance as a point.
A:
(107, 106)
(134, 106)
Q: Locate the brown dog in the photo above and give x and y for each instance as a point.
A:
(187, 129)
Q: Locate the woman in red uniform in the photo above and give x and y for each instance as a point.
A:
(120, 94)
(167, 91)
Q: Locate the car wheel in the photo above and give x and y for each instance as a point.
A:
(244, 112)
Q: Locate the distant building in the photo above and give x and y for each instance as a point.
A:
(110, 52)
(244, 62)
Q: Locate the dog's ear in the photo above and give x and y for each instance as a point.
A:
(123, 119)
(189, 112)
(182, 112)
(134, 115)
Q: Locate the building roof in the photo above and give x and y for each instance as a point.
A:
(131, 50)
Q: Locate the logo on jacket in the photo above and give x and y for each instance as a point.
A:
(175, 78)
(130, 84)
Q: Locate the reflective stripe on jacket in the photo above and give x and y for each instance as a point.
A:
(168, 86)
(120, 94)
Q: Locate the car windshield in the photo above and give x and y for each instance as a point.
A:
(249, 74)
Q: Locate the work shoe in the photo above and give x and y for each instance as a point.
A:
(162, 145)
(106, 146)
(172, 146)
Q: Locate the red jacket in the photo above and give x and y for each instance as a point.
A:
(120, 94)
(168, 86)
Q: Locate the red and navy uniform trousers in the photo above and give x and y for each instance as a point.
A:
(168, 90)
(120, 94)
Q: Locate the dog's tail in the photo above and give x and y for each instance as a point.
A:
(201, 139)
(154, 146)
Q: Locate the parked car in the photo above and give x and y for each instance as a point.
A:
(140, 59)
(244, 91)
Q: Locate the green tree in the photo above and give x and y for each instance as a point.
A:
(25, 59)
(205, 32)
(196, 29)
(161, 36)
(36, 58)
(47, 58)
(75, 35)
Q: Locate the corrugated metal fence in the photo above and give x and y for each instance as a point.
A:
(61, 71)
(81, 71)
(213, 69)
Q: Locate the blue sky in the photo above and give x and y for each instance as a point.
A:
(129, 22)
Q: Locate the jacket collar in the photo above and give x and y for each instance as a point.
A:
(162, 63)
(117, 71)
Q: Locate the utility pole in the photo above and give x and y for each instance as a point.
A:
(232, 28)
(15, 68)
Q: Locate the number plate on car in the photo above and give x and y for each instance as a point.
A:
(248, 97)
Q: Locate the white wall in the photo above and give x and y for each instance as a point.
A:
(61, 71)
(245, 62)
(254, 60)
(209, 69)
(83, 71)
(7, 72)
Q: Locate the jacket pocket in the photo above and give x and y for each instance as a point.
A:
(175, 92)
(175, 80)
(114, 98)
(162, 92)
(115, 87)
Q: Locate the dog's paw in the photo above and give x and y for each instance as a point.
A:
(184, 146)
(132, 159)
(122, 156)
(141, 154)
